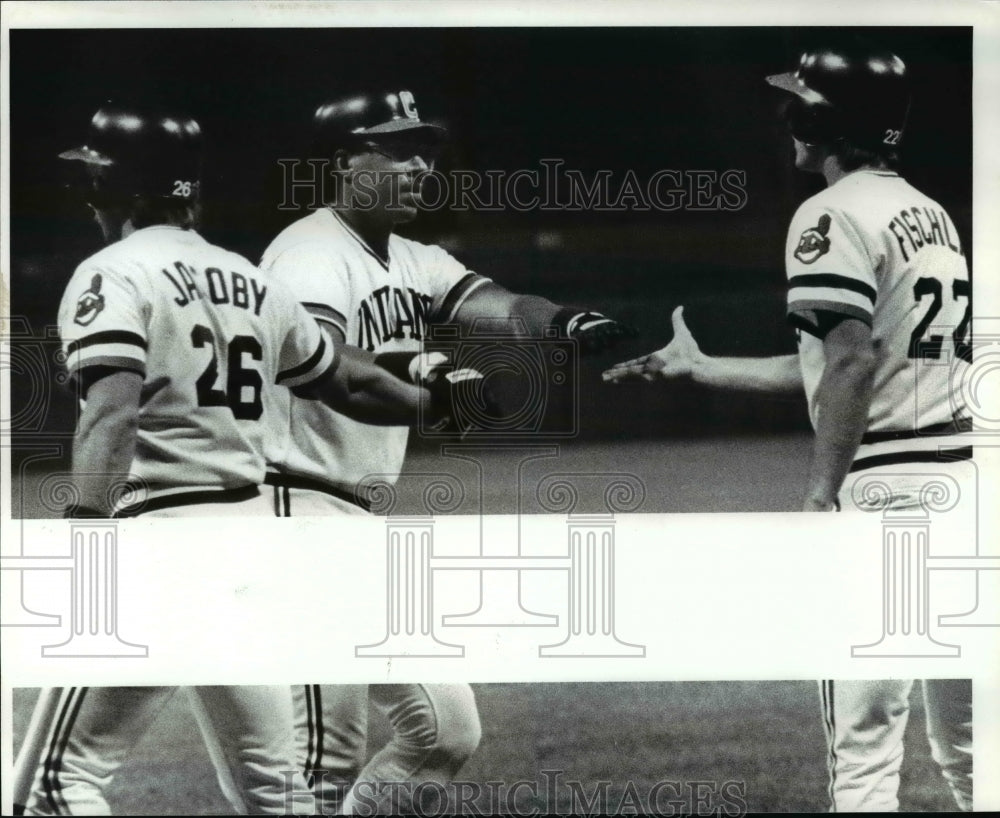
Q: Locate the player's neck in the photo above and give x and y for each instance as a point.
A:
(833, 171)
(374, 227)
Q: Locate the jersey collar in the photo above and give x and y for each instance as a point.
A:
(363, 244)
(153, 228)
(876, 171)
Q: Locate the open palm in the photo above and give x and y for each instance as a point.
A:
(675, 360)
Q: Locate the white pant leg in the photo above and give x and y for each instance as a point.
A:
(331, 731)
(435, 728)
(252, 727)
(906, 486)
(949, 729)
(308, 503)
(864, 723)
(93, 733)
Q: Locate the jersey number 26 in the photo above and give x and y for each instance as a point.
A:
(243, 385)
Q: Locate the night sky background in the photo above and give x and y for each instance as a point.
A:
(618, 99)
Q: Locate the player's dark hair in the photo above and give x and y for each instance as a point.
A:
(852, 157)
(149, 211)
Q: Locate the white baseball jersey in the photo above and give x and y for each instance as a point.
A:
(874, 248)
(381, 305)
(209, 334)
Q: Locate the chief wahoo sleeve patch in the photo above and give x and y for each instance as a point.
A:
(814, 242)
(90, 303)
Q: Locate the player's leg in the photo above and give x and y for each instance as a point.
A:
(250, 727)
(93, 733)
(331, 729)
(906, 486)
(864, 723)
(435, 728)
(949, 728)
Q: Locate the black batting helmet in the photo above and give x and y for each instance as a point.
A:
(132, 151)
(856, 93)
(385, 115)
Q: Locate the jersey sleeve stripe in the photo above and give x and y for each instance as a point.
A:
(832, 281)
(800, 312)
(310, 369)
(106, 357)
(457, 295)
(321, 312)
(813, 295)
(111, 336)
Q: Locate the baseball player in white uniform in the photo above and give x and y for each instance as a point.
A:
(176, 346)
(875, 270)
(369, 287)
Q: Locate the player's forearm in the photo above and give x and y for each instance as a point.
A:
(843, 399)
(104, 446)
(778, 375)
(532, 314)
(537, 313)
(366, 392)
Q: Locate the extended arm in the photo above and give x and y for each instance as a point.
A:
(595, 331)
(491, 301)
(843, 399)
(105, 441)
(359, 388)
(682, 358)
(778, 375)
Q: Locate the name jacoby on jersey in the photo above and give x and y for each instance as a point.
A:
(222, 288)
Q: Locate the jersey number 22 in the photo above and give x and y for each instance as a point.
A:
(931, 347)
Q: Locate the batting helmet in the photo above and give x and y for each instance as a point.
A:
(858, 94)
(371, 117)
(131, 151)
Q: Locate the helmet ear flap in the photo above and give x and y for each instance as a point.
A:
(811, 122)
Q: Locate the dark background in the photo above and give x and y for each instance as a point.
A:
(617, 99)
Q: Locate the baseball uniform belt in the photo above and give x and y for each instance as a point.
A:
(896, 458)
(950, 427)
(293, 481)
(189, 498)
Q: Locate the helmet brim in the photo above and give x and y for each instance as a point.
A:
(87, 155)
(790, 82)
(418, 130)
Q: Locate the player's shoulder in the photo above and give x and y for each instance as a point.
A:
(313, 244)
(418, 251)
(864, 193)
(228, 259)
(861, 202)
(317, 228)
(121, 259)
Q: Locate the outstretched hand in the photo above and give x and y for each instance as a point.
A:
(462, 402)
(676, 360)
(594, 331)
